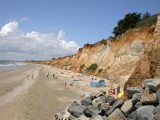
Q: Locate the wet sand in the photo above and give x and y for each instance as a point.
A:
(40, 98)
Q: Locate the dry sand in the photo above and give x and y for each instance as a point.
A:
(40, 98)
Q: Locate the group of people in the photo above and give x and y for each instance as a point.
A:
(113, 91)
(56, 117)
(53, 75)
(65, 84)
(32, 76)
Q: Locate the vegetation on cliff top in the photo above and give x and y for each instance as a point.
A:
(134, 20)
(130, 21)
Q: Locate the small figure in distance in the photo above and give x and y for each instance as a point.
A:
(32, 76)
(48, 75)
(65, 84)
(118, 89)
(53, 75)
(28, 76)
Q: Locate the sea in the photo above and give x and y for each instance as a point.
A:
(6, 65)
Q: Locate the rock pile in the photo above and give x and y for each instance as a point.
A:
(143, 103)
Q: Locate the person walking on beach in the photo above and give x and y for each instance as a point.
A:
(32, 76)
(53, 75)
(65, 84)
(28, 76)
(118, 89)
(48, 75)
(56, 117)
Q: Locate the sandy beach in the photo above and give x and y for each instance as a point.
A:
(27, 94)
(32, 93)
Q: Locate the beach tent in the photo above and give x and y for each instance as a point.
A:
(100, 83)
(94, 84)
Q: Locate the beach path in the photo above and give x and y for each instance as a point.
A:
(29, 94)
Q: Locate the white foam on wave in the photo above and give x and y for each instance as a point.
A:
(13, 64)
(19, 63)
(6, 64)
(10, 66)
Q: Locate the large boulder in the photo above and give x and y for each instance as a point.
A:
(117, 104)
(66, 115)
(101, 93)
(98, 117)
(76, 109)
(145, 112)
(158, 95)
(105, 118)
(138, 105)
(111, 100)
(132, 90)
(103, 98)
(86, 101)
(156, 113)
(136, 98)
(148, 97)
(105, 107)
(92, 95)
(82, 117)
(117, 115)
(132, 116)
(127, 107)
(99, 101)
(92, 111)
(153, 84)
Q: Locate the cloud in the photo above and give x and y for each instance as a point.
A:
(8, 28)
(16, 44)
(24, 19)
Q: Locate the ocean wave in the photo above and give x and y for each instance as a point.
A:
(7, 64)
(13, 64)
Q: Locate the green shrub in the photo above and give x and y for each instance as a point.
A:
(66, 64)
(147, 21)
(134, 20)
(129, 21)
(92, 67)
(81, 67)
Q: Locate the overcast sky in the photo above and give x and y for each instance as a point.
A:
(43, 29)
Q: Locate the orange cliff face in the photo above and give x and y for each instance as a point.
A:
(63, 63)
(117, 57)
(149, 64)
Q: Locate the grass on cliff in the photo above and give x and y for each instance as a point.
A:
(66, 64)
(82, 67)
(147, 22)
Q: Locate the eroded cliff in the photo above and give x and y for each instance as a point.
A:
(149, 64)
(120, 57)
